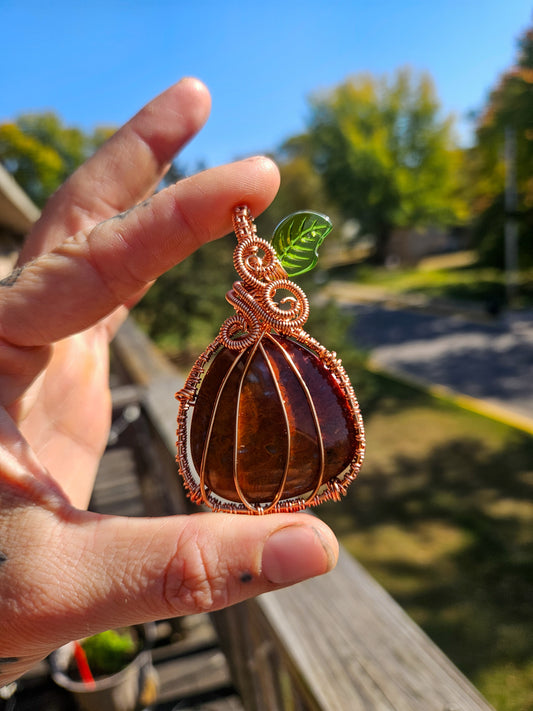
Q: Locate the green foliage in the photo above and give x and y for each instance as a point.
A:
(509, 107)
(185, 308)
(488, 230)
(36, 167)
(386, 157)
(110, 651)
(41, 152)
(297, 239)
(301, 189)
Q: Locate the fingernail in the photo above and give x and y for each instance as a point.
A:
(294, 553)
(265, 160)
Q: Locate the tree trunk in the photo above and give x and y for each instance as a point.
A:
(382, 235)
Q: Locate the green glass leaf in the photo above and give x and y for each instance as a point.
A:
(297, 238)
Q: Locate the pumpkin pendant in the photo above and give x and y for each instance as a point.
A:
(268, 420)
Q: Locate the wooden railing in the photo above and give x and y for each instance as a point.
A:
(338, 642)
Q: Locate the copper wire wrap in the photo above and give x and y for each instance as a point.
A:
(254, 298)
(258, 314)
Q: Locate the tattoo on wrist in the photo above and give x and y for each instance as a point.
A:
(11, 279)
(3, 557)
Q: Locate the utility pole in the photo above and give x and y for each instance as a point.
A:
(511, 222)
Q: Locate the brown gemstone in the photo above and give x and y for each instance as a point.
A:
(259, 409)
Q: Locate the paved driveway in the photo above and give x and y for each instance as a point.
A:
(492, 361)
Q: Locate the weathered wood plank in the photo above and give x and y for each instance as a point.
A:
(356, 648)
(194, 675)
(138, 356)
(227, 703)
(116, 489)
(196, 634)
(144, 365)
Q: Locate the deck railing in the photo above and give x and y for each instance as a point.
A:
(335, 643)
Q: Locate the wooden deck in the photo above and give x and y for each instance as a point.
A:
(335, 643)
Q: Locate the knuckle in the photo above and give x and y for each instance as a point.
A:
(109, 239)
(196, 579)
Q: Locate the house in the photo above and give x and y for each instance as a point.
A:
(17, 215)
(407, 246)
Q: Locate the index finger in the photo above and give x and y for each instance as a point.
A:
(88, 276)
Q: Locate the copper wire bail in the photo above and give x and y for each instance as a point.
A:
(243, 223)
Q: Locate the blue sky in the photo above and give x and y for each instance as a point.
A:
(98, 62)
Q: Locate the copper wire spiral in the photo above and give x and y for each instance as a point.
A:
(254, 298)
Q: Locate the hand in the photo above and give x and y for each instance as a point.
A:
(66, 573)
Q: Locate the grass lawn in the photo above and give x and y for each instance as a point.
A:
(442, 516)
(455, 276)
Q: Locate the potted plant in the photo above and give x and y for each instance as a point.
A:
(110, 671)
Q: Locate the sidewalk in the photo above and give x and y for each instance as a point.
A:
(457, 351)
(347, 293)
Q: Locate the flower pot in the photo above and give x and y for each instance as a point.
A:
(134, 688)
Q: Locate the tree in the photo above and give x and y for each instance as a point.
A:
(386, 156)
(509, 107)
(301, 188)
(41, 152)
(185, 307)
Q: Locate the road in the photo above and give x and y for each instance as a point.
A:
(491, 360)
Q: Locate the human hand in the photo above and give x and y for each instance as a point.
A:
(64, 572)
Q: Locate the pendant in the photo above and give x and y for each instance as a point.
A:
(268, 420)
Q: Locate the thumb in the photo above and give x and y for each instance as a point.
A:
(95, 572)
(139, 569)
